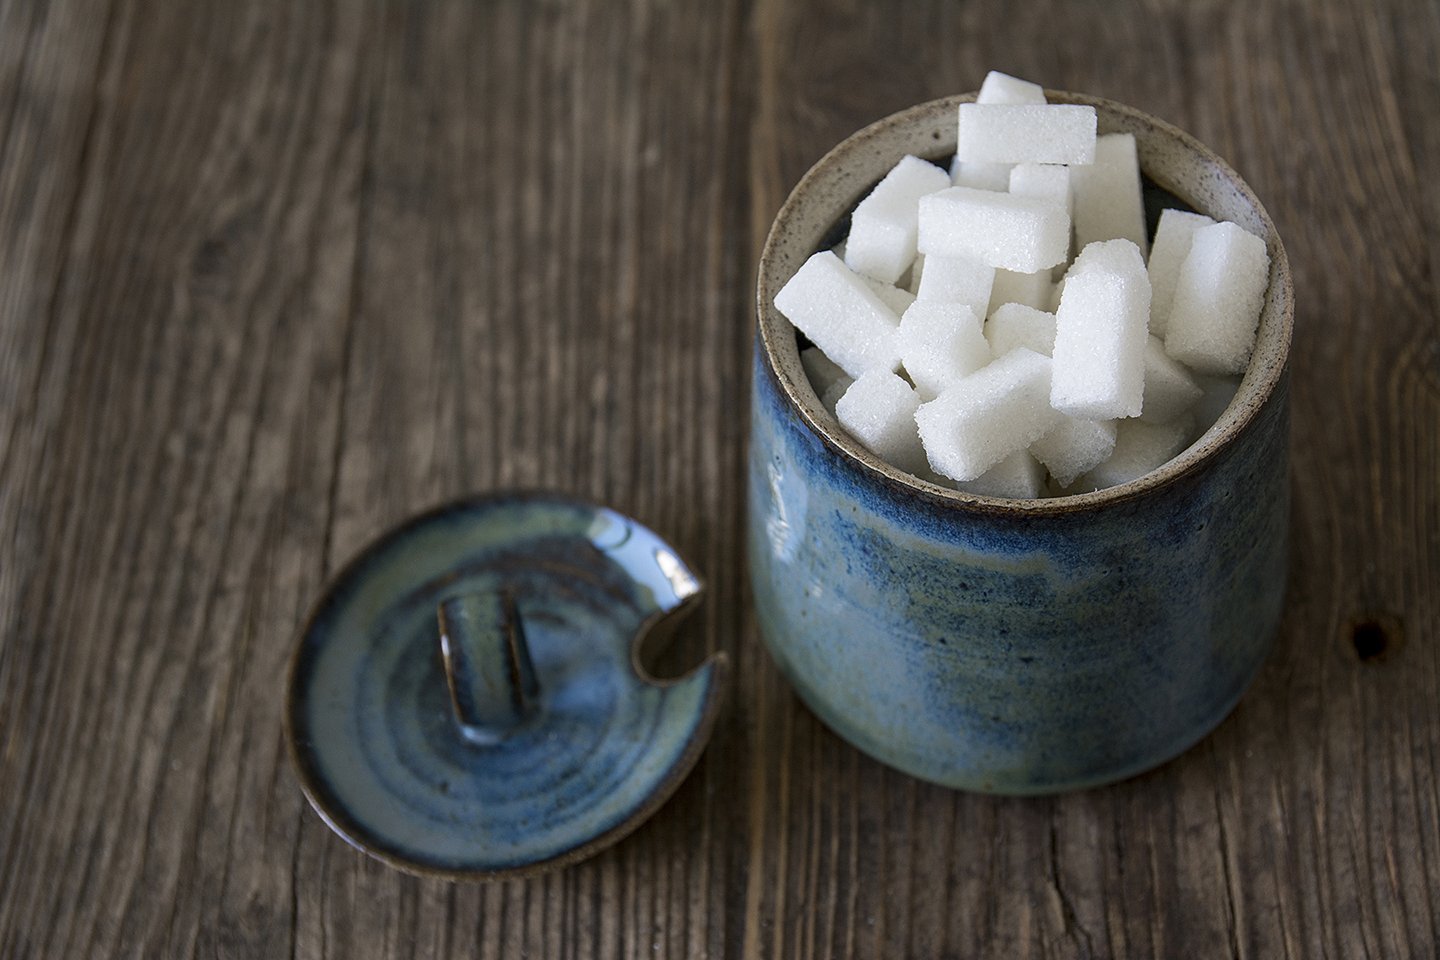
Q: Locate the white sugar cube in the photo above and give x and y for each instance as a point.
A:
(1216, 394)
(1025, 133)
(1087, 256)
(979, 421)
(1139, 448)
(830, 399)
(1170, 390)
(1016, 325)
(896, 298)
(1003, 88)
(879, 411)
(1099, 252)
(940, 343)
(981, 176)
(1019, 477)
(1044, 181)
(1108, 203)
(1172, 244)
(881, 242)
(820, 370)
(1100, 335)
(1017, 233)
(1217, 302)
(841, 314)
(958, 280)
(1073, 446)
(1031, 289)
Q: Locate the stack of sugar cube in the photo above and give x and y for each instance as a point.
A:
(957, 338)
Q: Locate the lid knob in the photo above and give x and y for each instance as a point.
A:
(487, 665)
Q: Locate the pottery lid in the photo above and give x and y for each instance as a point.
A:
(466, 699)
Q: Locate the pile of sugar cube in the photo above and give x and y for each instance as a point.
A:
(956, 338)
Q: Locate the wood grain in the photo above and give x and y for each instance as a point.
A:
(275, 275)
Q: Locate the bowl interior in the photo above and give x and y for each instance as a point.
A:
(1171, 159)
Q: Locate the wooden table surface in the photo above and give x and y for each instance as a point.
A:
(274, 275)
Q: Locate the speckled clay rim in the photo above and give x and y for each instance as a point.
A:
(777, 335)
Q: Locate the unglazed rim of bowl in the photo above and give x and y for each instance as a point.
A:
(777, 335)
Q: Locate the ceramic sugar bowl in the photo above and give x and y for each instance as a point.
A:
(1015, 646)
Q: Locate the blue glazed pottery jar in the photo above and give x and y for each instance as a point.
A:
(1015, 646)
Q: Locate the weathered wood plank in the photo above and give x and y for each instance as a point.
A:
(177, 469)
